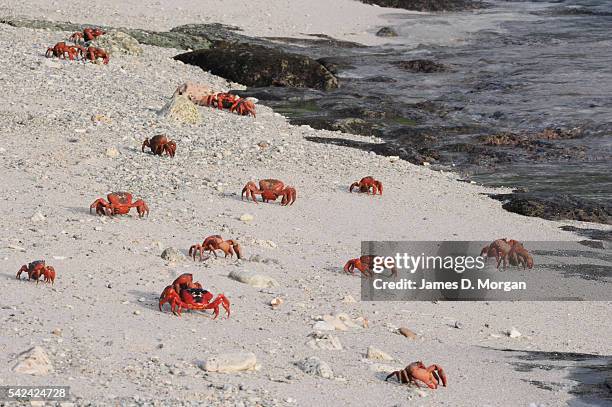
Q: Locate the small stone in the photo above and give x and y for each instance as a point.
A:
(407, 333)
(34, 361)
(142, 299)
(100, 118)
(57, 331)
(112, 152)
(316, 367)
(136, 312)
(377, 354)
(393, 158)
(335, 322)
(349, 299)
(230, 362)
(323, 341)
(514, 333)
(254, 279)
(458, 325)
(247, 217)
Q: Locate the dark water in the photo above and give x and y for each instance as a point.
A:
(518, 66)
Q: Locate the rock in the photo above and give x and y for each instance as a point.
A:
(195, 92)
(377, 354)
(230, 362)
(247, 217)
(34, 361)
(349, 299)
(323, 341)
(253, 279)
(346, 320)
(458, 325)
(386, 32)
(112, 152)
(407, 333)
(57, 331)
(136, 312)
(37, 217)
(335, 322)
(259, 66)
(316, 367)
(513, 333)
(182, 110)
(428, 5)
(172, 255)
(421, 66)
(118, 42)
(100, 118)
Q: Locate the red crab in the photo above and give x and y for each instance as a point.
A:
(216, 242)
(92, 54)
(185, 294)
(232, 102)
(160, 144)
(88, 34)
(119, 203)
(270, 190)
(431, 376)
(368, 184)
(36, 269)
(365, 264)
(60, 50)
(508, 250)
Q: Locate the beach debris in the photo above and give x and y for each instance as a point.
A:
(184, 293)
(270, 190)
(323, 341)
(214, 243)
(230, 362)
(34, 361)
(316, 367)
(160, 144)
(37, 269)
(119, 203)
(407, 333)
(431, 375)
(180, 109)
(377, 354)
(253, 279)
(172, 255)
(115, 41)
(368, 185)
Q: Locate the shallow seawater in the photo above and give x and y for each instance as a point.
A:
(518, 66)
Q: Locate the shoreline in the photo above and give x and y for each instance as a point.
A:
(110, 273)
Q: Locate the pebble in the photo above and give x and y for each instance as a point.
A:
(349, 299)
(37, 217)
(377, 354)
(407, 333)
(458, 325)
(230, 362)
(323, 326)
(136, 312)
(276, 302)
(316, 367)
(57, 331)
(34, 361)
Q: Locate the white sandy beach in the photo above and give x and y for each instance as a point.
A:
(100, 322)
